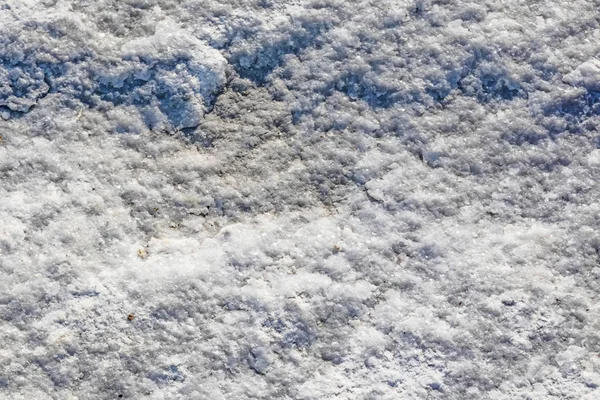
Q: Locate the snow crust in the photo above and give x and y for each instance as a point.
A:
(311, 199)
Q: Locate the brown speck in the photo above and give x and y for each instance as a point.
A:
(142, 253)
(130, 317)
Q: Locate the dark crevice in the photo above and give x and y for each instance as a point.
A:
(256, 65)
(573, 111)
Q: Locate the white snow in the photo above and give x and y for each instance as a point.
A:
(312, 199)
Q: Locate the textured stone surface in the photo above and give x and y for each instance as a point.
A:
(299, 200)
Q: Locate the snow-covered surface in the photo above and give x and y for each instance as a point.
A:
(311, 199)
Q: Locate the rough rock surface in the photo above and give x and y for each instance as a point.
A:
(310, 199)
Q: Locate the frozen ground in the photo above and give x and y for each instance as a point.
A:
(311, 199)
